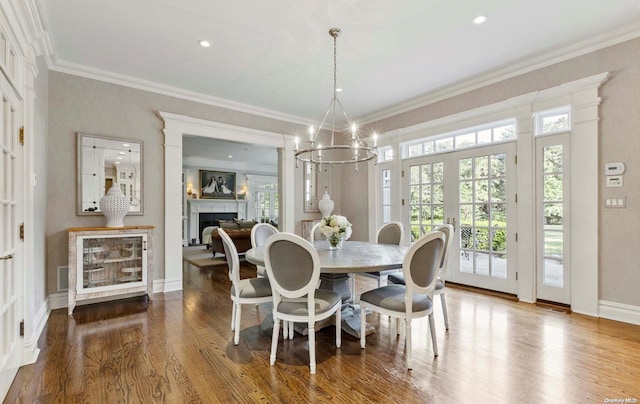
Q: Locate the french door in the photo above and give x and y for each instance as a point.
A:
(11, 286)
(474, 190)
(553, 227)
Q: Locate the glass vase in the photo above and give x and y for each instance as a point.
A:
(335, 243)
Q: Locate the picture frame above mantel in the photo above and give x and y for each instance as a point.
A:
(217, 184)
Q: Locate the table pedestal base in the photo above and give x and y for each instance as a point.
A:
(350, 311)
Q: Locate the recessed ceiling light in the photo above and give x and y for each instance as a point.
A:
(230, 156)
(338, 90)
(126, 144)
(203, 43)
(480, 19)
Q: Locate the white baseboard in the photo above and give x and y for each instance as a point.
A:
(172, 285)
(619, 312)
(31, 350)
(58, 300)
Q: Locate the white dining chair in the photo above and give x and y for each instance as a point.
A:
(388, 233)
(415, 298)
(315, 235)
(243, 291)
(293, 268)
(259, 235)
(398, 278)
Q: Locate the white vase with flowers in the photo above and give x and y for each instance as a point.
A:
(335, 229)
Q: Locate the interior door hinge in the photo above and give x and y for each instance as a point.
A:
(402, 174)
(21, 135)
(402, 201)
(22, 232)
(516, 276)
(22, 328)
(516, 158)
(516, 237)
(516, 198)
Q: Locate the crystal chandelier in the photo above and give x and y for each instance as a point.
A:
(322, 145)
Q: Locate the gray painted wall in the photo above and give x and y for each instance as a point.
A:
(89, 106)
(619, 238)
(83, 105)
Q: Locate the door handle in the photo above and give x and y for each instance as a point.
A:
(6, 257)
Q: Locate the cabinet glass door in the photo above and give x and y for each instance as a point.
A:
(110, 262)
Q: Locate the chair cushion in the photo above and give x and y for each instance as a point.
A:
(324, 300)
(253, 287)
(392, 298)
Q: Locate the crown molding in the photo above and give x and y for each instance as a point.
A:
(611, 38)
(145, 85)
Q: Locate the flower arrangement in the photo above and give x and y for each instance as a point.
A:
(335, 228)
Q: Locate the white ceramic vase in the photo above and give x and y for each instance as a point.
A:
(325, 205)
(114, 206)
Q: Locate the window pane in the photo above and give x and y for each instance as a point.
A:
(444, 144)
(415, 194)
(415, 149)
(555, 123)
(466, 215)
(482, 191)
(386, 196)
(438, 193)
(468, 139)
(484, 136)
(386, 178)
(504, 132)
(428, 147)
(426, 174)
(498, 165)
(466, 192)
(482, 167)
(426, 194)
(437, 172)
(415, 175)
(466, 167)
(552, 159)
(386, 214)
(553, 214)
(553, 187)
(498, 190)
(498, 215)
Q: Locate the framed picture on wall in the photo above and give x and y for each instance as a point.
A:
(217, 185)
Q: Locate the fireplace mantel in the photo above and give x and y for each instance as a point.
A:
(197, 206)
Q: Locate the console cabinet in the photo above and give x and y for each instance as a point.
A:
(105, 262)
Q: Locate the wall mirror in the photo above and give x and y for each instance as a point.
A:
(317, 180)
(104, 162)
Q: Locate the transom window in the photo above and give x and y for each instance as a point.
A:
(494, 132)
(385, 154)
(552, 121)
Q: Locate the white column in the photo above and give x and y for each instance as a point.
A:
(172, 208)
(584, 194)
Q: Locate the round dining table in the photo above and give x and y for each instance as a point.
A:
(336, 265)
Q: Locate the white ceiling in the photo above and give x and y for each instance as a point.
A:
(276, 57)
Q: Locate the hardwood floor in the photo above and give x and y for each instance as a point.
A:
(179, 348)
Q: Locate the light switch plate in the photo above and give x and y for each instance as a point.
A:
(614, 181)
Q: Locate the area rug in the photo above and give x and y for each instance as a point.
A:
(201, 257)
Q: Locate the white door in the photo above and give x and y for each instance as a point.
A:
(474, 190)
(552, 207)
(11, 287)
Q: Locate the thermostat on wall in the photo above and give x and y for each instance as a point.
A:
(613, 168)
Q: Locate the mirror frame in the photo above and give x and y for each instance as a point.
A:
(79, 169)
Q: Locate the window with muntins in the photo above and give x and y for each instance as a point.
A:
(552, 121)
(495, 132)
